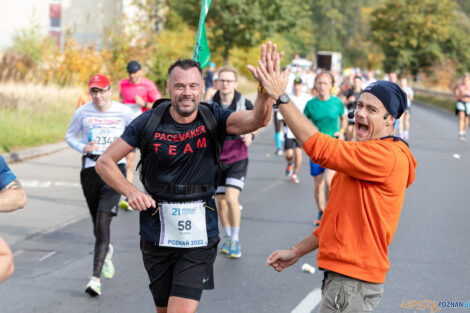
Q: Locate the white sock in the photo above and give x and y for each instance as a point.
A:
(235, 231)
(228, 231)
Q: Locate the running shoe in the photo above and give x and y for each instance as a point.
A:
(225, 248)
(235, 252)
(462, 137)
(317, 221)
(278, 152)
(295, 178)
(93, 288)
(108, 268)
(289, 169)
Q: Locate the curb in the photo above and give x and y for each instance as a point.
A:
(33, 152)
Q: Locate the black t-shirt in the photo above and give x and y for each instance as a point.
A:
(180, 154)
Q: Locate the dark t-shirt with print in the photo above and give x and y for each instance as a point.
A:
(181, 154)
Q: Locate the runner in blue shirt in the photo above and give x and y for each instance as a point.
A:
(12, 197)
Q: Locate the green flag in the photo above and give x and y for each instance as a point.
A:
(201, 50)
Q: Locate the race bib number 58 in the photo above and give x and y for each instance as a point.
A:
(183, 225)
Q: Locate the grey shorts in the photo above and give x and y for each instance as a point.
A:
(348, 295)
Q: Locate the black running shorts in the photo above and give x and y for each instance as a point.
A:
(170, 268)
(98, 195)
(291, 143)
(232, 175)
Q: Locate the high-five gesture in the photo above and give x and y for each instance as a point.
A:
(268, 73)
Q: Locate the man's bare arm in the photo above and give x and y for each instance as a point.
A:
(280, 259)
(12, 197)
(107, 168)
(247, 121)
(6, 261)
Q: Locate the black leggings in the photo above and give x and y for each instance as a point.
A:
(102, 201)
(101, 229)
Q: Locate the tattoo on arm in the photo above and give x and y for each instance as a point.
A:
(14, 185)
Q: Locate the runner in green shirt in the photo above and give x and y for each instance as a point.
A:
(327, 113)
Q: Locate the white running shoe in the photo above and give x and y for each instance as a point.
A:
(93, 288)
(108, 267)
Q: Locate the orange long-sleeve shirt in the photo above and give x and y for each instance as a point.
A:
(364, 205)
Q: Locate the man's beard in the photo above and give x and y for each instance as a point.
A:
(183, 113)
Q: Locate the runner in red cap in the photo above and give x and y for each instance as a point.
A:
(99, 122)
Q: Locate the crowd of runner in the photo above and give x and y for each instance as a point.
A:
(194, 156)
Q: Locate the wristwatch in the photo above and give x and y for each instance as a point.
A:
(284, 98)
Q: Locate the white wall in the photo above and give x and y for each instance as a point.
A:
(85, 19)
(20, 14)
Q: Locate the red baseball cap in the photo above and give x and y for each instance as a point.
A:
(98, 81)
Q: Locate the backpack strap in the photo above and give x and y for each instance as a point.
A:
(160, 108)
(208, 119)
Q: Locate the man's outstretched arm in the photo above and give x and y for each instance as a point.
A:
(280, 259)
(12, 197)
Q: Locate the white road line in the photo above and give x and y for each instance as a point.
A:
(309, 302)
(33, 183)
(47, 256)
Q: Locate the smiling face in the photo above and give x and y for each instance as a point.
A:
(370, 122)
(185, 88)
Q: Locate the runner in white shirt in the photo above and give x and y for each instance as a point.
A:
(405, 120)
(100, 122)
(293, 150)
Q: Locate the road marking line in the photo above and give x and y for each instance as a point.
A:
(47, 256)
(33, 183)
(309, 302)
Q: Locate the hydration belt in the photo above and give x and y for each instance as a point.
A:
(175, 189)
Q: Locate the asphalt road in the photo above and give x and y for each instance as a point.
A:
(429, 254)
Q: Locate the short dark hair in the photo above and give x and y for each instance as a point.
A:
(185, 64)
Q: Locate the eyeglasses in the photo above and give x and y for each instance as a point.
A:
(223, 81)
(98, 92)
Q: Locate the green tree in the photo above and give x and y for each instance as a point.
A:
(341, 25)
(241, 23)
(413, 34)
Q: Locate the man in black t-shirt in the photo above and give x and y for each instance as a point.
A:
(178, 216)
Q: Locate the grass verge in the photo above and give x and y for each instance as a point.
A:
(33, 115)
(445, 103)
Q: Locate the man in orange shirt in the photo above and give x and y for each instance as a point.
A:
(366, 196)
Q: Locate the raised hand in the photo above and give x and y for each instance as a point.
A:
(270, 76)
(268, 53)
